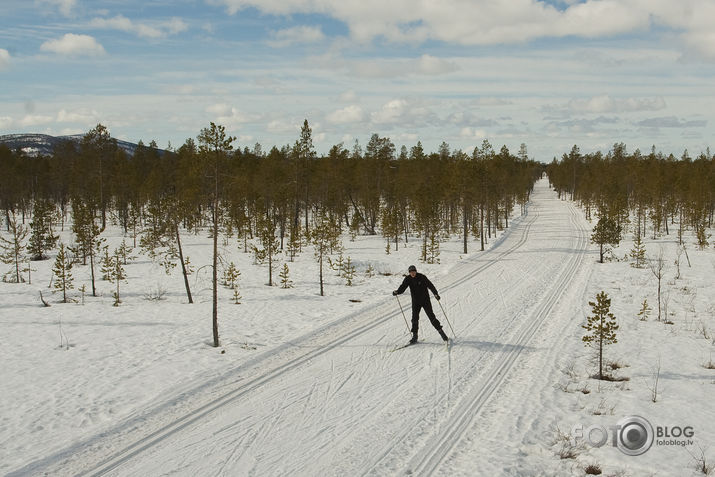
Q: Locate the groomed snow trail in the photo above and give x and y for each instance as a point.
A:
(340, 403)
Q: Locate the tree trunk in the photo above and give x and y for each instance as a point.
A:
(215, 263)
(183, 265)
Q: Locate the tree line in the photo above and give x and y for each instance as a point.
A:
(272, 202)
(649, 192)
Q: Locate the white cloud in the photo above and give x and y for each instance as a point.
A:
(486, 22)
(144, 30)
(426, 65)
(79, 116)
(296, 35)
(74, 45)
(348, 114)
(4, 59)
(31, 120)
(65, 6)
(348, 97)
(603, 104)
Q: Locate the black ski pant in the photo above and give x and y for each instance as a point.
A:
(427, 305)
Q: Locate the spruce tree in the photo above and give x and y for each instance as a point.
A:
(638, 252)
(63, 273)
(11, 250)
(42, 238)
(601, 327)
(606, 232)
(325, 236)
(117, 274)
(285, 277)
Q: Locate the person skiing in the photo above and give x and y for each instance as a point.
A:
(419, 284)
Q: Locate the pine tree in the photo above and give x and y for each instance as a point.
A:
(606, 232)
(349, 272)
(230, 276)
(117, 274)
(63, 273)
(236, 296)
(638, 252)
(106, 264)
(601, 327)
(644, 313)
(11, 250)
(325, 237)
(284, 276)
(87, 235)
(42, 238)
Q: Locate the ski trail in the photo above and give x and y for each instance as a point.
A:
(317, 406)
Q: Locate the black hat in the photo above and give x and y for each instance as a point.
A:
(412, 268)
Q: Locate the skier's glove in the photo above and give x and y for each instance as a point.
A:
(394, 293)
(437, 297)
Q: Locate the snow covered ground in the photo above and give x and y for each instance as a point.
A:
(140, 391)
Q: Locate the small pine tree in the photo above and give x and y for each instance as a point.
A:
(284, 276)
(11, 251)
(638, 252)
(338, 264)
(106, 264)
(644, 313)
(42, 238)
(230, 276)
(606, 232)
(117, 274)
(63, 273)
(349, 272)
(601, 327)
(370, 272)
(124, 251)
(236, 296)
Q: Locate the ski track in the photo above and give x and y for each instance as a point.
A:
(339, 403)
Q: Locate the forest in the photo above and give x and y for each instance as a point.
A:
(274, 202)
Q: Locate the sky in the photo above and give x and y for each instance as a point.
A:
(549, 74)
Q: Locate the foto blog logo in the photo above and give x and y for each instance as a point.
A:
(632, 435)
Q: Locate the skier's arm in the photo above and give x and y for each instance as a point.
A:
(432, 287)
(402, 288)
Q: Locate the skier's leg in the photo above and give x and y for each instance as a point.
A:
(415, 317)
(433, 319)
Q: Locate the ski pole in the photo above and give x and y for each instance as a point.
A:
(403, 313)
(445, 317)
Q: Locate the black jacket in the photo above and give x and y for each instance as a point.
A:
(418, 288)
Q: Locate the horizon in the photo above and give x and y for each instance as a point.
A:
(547, 74)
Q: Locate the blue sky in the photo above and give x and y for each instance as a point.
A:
(547, 74)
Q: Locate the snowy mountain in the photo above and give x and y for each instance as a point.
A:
(42, 144)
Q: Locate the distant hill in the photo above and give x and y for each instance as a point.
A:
(41, 144)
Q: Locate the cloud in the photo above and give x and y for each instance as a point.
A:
(144, 30)
(4, 59)
(426, 65)
(74, 45)
(469, 23)
(604, 104)
(296, 35)
(79, 116)
(65, 6)
(486, 22)
(671, 122)
(348, 114)
(228, 115)
(407, 113)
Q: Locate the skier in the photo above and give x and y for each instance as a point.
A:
(419, 284)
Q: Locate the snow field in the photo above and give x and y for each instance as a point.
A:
(116, 362)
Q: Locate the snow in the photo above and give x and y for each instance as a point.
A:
(140, 391)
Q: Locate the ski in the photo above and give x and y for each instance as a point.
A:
(403, 346)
